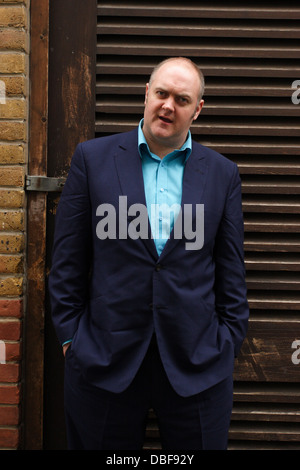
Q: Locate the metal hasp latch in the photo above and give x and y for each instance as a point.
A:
(44, 183)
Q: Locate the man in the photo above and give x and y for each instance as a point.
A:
(150, 318)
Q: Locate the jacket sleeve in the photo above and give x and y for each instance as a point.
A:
(230, 283)
(71, 254)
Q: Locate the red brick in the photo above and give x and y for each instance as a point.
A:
(10, 330)
(13, 351)
(9, 394)
(9, 438)
(9, 373)
(11, 308)
(9, 415)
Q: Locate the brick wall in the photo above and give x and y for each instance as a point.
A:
(14, 41)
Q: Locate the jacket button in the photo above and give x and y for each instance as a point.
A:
(158, 268)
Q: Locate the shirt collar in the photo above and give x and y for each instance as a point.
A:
(142, 143)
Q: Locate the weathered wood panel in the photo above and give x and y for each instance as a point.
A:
(36, 229)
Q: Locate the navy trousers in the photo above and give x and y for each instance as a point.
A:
(101, 420)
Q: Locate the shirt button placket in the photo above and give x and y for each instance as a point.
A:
(161, 198)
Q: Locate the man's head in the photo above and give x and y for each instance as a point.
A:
(173, 101)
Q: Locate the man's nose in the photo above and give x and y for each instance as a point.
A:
(168, 104)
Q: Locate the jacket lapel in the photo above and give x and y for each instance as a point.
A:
(129, 168)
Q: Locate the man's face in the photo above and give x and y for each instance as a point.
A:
(171, 105)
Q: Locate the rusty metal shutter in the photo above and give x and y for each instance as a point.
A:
(250, 57)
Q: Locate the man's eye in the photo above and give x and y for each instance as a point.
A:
(182, 100)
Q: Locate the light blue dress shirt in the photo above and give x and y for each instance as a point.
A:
(163, 186)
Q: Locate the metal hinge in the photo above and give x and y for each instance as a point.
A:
(44, 183)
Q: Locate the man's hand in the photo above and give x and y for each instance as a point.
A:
(65, 347)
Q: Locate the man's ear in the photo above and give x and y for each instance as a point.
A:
(146, 93)
(198, 110)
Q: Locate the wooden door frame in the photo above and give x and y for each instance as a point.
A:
(70, 80)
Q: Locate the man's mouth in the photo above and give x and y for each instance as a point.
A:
(165, 119)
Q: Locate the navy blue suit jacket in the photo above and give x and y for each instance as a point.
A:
(110, 296)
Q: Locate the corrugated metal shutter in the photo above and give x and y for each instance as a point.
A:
(250, 57)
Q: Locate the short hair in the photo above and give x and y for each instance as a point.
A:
(188, 61)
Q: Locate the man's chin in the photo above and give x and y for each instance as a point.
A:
(163, 131)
